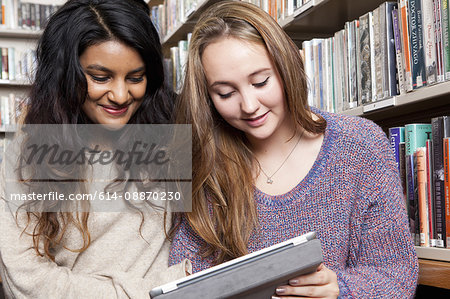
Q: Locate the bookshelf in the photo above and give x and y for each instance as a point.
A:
(420, 105)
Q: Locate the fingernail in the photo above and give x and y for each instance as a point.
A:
(293, 281)
(280, 290)
(275, 297)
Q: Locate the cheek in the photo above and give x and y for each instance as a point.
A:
(138, 91)
(223, 108)
(96, 91)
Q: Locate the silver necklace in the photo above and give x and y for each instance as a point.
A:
(269, 178)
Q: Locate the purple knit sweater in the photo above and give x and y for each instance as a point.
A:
(352, 198)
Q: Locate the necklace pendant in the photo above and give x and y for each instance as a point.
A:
(269, 181)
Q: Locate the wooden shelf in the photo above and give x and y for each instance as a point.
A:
(20, 33)
(434, 273)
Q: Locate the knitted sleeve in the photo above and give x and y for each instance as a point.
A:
(186, 244)
(382, 261)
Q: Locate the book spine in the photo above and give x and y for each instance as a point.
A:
(409, 166)
(364, 74)
(446, 188)
(404, 28)
(438, 37)
(5, 60)
(430, 193)
(378, 54)
(390, 66)
(440, 127)
(372, 59)
(12, 63)
(398, 52)
(416, 40)
(422, 196)
(402, 162)
(429, 42)
(396, 135)
(445, 38)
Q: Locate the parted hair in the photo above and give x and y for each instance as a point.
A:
(60, 87)
(223, 209)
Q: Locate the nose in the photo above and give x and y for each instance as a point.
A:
(249, 103)
(119, 93)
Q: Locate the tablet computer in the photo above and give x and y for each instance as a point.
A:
(255, 275)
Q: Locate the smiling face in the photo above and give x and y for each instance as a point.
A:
(245, 87)
(115, 75)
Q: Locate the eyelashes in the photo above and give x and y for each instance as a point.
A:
(257, 85)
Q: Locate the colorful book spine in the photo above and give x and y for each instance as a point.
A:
(429, 42)
(438, 37)
(404, 29)
(447, 189)
(416, 47)
(398, 52)
(420, 155)
(390, 80)
(445, 38)
(440, 130)
(430, 193)
(396, 135)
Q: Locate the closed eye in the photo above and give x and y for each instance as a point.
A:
(99, 79)
(136, 79)
(225, 96)
(261, 84)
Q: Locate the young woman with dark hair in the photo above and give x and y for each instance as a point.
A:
(99, 62)
(267, 167)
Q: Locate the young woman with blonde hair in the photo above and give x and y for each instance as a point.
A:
(267, 167)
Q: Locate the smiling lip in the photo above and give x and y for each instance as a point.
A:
(257, 121)
(114, 110)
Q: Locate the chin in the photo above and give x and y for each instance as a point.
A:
(113, 126)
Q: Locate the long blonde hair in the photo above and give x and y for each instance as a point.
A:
(223, 209)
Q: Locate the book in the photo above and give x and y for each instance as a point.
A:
(438, 38)
(389, 65)
(398, 52)
(420, 155)
(447, 189)
(416, 136)
(430, 192)
(364, 74)
(396, 136)
(445, 37)
(404, 29)
(416, 43)
(440, 130)
(429, 42)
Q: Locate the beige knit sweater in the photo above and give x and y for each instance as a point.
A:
(119, 263)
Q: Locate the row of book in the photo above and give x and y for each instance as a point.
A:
(17, 65)
(24, 14)
(279, 9)
(172, 13)
(422, 156)
(175, 65)
(10, 109)
(394, 49)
